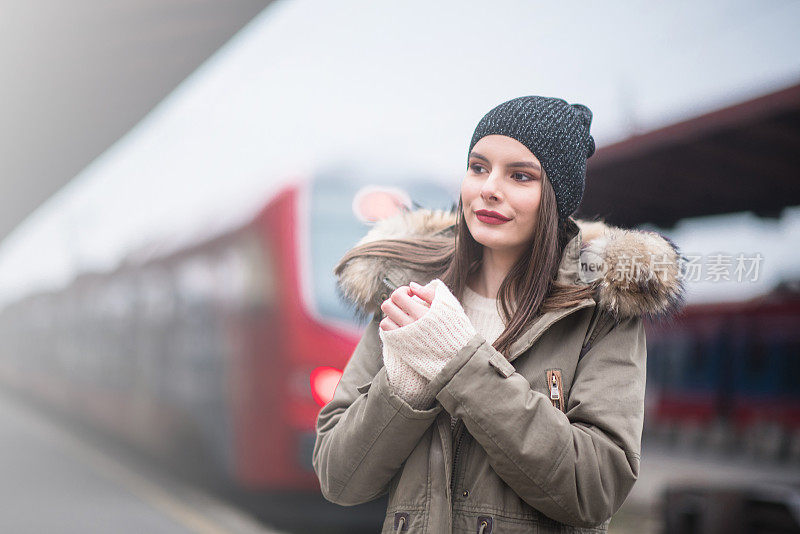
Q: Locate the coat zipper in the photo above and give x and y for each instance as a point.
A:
(458, 431)
(556, 388)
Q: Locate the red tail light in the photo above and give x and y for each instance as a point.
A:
(323, 383)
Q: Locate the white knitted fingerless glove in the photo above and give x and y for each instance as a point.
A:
(405, 381)
(428, 343)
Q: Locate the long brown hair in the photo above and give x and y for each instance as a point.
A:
(531, 281)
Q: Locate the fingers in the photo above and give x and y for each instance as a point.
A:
(387, 324)
(402, 308)
(426, 293)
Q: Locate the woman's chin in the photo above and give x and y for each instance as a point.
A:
(489, 241)
(489, 235)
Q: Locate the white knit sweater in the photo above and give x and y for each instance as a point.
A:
(415, 353)
(484, 314)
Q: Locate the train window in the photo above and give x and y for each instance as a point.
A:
(756, 370)
(195, 279)
(696, 366)
(156, 294)
(791, 376)
(766, 365)
(339, 208)
(677, 359)
(245, 274)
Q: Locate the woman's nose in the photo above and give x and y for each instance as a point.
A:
(490, 189)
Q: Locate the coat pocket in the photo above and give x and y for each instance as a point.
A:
(555, 388)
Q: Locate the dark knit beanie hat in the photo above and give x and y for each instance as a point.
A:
(556, 132)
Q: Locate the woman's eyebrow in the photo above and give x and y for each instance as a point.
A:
(479, 156)
(525, 164)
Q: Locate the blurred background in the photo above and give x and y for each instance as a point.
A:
(178, 179)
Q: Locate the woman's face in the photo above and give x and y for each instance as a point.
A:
(505, 177)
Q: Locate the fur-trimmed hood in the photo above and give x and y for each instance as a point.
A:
(637, 272)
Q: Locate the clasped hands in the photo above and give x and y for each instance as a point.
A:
(405, 305)
(424, 328)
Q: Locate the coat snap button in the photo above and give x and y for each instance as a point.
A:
(465, 493)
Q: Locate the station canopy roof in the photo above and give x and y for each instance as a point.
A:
(741, 158)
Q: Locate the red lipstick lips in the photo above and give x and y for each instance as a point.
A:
(491, 217)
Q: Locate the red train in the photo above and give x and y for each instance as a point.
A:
(727, 376)
(221, 351)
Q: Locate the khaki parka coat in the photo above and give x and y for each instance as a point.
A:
(546, 440)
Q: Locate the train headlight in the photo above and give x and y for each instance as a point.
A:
(323, 383)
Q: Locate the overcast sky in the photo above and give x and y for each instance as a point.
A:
(392, 85)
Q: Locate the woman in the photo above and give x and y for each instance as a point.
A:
(498, 387)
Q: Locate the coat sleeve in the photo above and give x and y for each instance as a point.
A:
(575, 467)
(366, 431)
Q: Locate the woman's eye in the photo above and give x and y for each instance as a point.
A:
(476, 168)
(522, 177)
